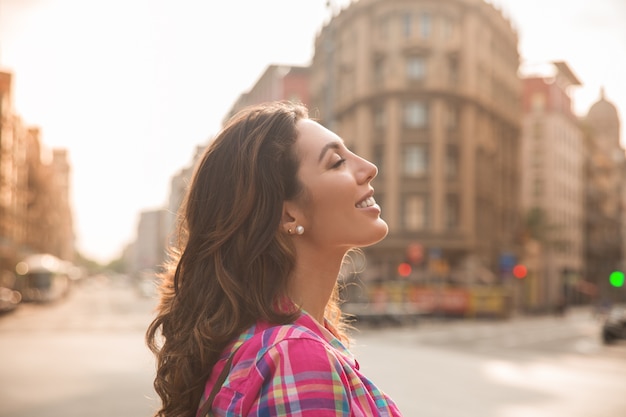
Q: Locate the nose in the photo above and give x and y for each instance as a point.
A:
(367, 171)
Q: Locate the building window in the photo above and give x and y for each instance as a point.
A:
(407, 22)
(452, 116)
(452, 211)
(415, 160)
(379, 117)
(447, 28)
(452, 162)
(536, 160)
(379, 72)
(416, 68)
(415, 212)
(453, 70)
(383, 27)
(415, 114)
(378, 159)
(538, 187)
(425, 25)
(345, 84)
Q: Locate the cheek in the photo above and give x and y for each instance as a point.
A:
(330, 199)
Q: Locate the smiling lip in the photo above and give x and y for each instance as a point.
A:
(367, 201)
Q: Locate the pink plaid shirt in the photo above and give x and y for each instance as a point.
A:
(298, 369)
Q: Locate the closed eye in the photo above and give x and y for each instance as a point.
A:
(338, 163)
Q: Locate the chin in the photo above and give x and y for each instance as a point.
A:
(378, 234)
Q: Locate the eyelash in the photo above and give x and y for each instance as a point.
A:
(338, 163)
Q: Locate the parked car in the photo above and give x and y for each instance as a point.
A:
(614, 326)
(9, 299)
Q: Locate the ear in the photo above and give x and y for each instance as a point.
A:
(291, 213)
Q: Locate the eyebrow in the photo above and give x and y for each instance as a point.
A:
(327, 147)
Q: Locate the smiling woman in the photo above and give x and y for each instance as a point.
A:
(248, 316)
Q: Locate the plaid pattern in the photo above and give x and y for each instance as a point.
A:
(299, 369)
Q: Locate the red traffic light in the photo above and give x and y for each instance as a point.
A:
(404, 269)
(520, 271)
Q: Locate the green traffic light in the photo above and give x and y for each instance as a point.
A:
(617, 279)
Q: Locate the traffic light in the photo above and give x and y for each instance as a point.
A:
(520, 271)
(617, 279)
(414, 253)
(404, 269)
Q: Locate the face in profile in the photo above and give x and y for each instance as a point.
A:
(337, 209)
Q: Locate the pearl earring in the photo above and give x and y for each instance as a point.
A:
(299, 229)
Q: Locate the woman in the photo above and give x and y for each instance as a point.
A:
(248, 322)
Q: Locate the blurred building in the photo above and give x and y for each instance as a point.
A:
(12, 149)
(429, 91)
(604, 200)
(46, 188)
(35, 212)
(552, 187)
(178, 189)
(64, 238)
(156, 229)
(149, 251)
(278, 82)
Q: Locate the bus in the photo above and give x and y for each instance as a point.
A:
(43, 277)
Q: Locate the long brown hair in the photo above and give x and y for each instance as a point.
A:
(232, 263)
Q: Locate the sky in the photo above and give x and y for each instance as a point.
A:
(131, 87)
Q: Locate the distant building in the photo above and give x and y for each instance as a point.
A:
(278, 82)
(35, 211)
(46, 193)
(156, 230)
(64, 238)
(178, 189)
(552, 187)
(605, 168)
(429, 91)
(150, 248)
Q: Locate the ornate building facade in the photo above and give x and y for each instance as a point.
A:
(429, 91)
(552, 188)
(605, 167)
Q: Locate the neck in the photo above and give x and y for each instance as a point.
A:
(314, 279)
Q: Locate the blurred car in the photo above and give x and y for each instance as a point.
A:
(42, 277)
(147, 283)
(9, 299)
(614, 326)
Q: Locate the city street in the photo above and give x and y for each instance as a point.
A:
(540, 367)
(85, 356)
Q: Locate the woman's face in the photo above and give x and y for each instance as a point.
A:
(338, 208)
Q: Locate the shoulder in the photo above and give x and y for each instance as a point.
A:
(290, 332)
(284, 340)
(284, 350)
(301, 346)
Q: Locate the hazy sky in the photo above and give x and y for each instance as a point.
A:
(130, 87)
